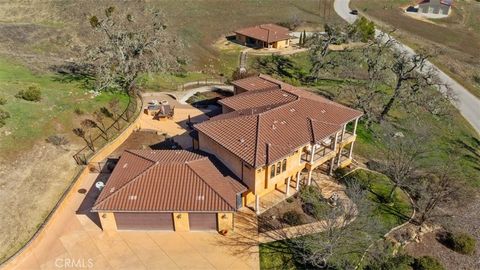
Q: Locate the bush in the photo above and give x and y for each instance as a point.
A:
(427, 263)
(78, 111)
(363, 29)
(57, 140)
(461, 242)
(292, 218)
(290, 200)
(3, 116)
(33, 93)
(3, 101)
(314, 204)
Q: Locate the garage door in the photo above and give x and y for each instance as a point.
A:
(202, 221)
(144, 221)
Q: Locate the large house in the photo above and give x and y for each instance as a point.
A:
(441, 7)
(264, 36)
(270, 136)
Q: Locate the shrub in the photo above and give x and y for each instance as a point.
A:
(3, 101)
(57, 140)
(290, 200)
(78, 111)
(32, 93)
(427, 263)
(3, 116)
(363, 30)
(292, 218)
(314, 204)
(461, 242)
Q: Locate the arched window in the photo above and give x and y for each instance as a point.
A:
(272, 171)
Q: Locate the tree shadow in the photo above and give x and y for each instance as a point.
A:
(472, 146)
(74, 72)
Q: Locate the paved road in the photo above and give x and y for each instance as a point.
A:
(466, 103)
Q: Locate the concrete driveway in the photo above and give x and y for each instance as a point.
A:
(466, 102)
(73, 239)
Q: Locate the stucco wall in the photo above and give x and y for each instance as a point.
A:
(107, 219)
(282, 44)
(231, 161)
(181, 222)
(225, 221)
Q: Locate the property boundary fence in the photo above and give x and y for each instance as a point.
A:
(123, 121)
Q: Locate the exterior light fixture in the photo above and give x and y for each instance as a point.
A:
(179, 216)
(224, 216)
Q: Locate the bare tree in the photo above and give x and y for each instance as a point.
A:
(100, 119)
(319, 44)
(442, 187)
(131, 46)
(365, 99)
(81, 133)
(87, 127)
(401, 156)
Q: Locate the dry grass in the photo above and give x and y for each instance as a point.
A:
(454, 41)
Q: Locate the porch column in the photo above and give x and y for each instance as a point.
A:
(257, 204)
(332, 163)
(312, 153)
(339, 156)
(309, 181)
(288, 185)
(343, 131)
(351, 150)
(335, 142)
(297, 186)
(355, 127)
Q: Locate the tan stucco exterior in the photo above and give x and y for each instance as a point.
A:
(241, 39)
(225, 221)
(180, 221)
(107, 219)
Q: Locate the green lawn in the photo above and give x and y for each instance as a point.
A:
(29, 121)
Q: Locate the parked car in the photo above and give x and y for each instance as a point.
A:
(354, 12)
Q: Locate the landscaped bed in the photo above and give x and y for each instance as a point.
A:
(278, 255)
(295, 210)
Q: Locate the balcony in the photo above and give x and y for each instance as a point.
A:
(321, 152)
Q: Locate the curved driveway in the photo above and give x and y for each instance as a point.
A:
(466, 103)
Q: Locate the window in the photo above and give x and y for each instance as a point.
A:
(279, 164)
(272, 171)
(284, 165)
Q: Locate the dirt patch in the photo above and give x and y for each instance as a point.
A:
(30, 185)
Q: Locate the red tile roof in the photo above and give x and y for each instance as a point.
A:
(167, 181)
(259, 98)
(255, 83)
(266, 32)
(285, 127)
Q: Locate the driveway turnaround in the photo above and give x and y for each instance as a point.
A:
(466, 103)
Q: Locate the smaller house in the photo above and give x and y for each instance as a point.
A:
(440, 7)
(264, 36)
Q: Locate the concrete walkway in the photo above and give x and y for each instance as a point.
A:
(467, 103)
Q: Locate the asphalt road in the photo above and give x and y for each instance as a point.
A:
(466, 103)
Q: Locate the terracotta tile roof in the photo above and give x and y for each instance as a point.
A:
(255, 83)
(258, 98)
(283, 127)
(266, 32)
(166, 181)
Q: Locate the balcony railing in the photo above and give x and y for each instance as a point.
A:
(319, 153)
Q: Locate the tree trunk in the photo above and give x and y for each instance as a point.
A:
(388, 106)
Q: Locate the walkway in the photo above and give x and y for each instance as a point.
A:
(466, 103)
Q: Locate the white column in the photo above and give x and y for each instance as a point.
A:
(343, 131)
(355, 127)
(335, 142)
(288, 185)
(312, 153)
(351, 150)
(297, 186)
(332, 161)
(339, 156)
(309, 181)
(257, 204)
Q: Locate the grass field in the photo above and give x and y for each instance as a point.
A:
(277, 256)
(454, 42)
(34, 173)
